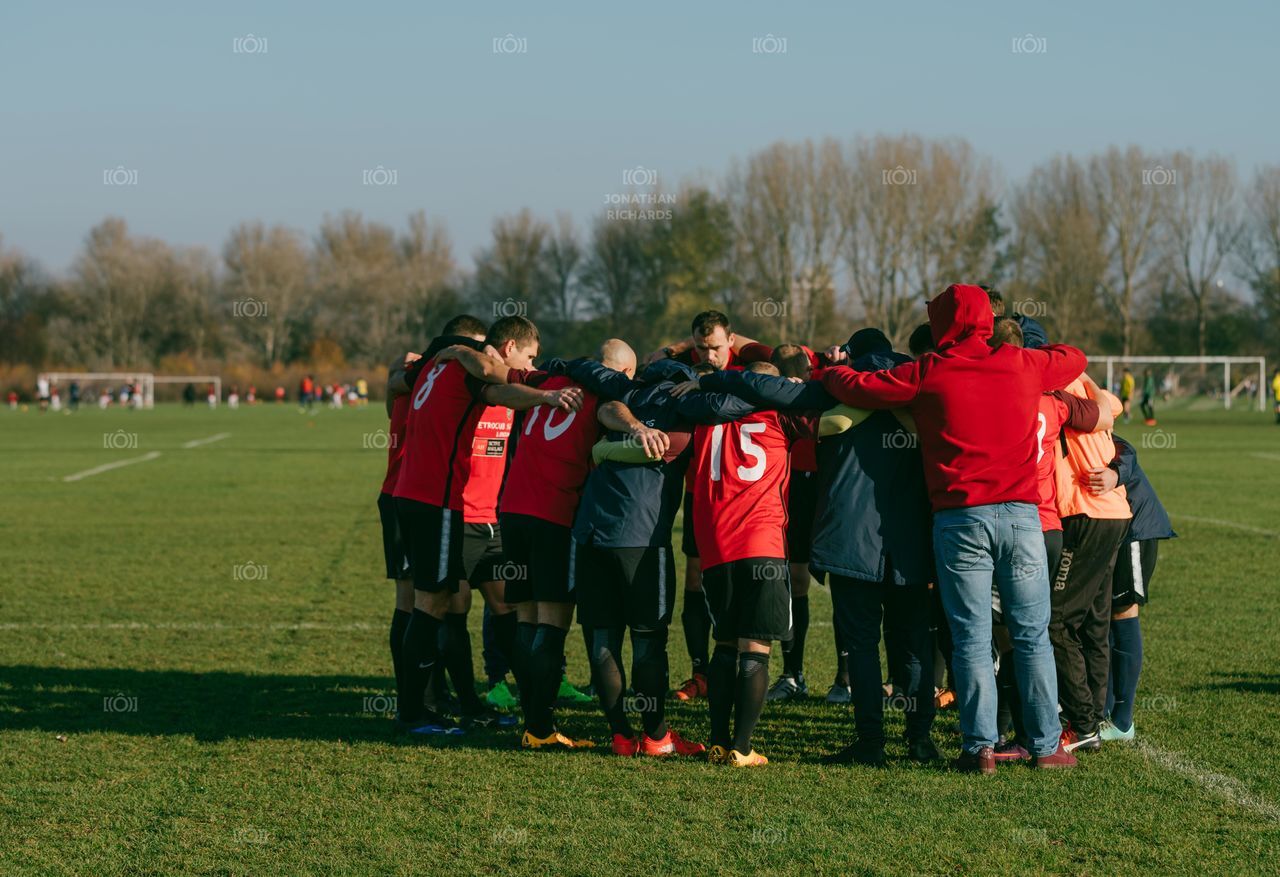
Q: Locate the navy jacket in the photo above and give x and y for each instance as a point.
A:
(634, 505)
(873, 510)
(1150, 520)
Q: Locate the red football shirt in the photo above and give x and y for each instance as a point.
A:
(395, 439)
(1057, 409)
(488, 464)
(553, 458)
(741, 478)
(444, 409)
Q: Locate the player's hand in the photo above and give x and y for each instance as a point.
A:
(410, 358)
(684, 389)
(654, 441)
(568, 399)
(1101, 479)
(836, 355)
(490, 350)
(449, 353)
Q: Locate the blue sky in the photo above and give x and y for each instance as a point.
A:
(217, 136)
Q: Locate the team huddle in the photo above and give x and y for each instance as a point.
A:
(968, 502)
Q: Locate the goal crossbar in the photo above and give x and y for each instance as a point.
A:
(1228, 392)
(146, 381)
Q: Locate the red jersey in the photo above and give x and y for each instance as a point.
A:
(742, 475)
(488, 464)
(395, 442)
(444, 409)
(553, 458)
(1057, 409)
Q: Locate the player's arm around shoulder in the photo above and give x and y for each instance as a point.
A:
(1059, 364)
(616, 416)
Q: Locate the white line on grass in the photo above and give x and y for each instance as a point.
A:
(195, 443)
(1262, 456)
(1218, 522)
(1221, 785)
(107, 467)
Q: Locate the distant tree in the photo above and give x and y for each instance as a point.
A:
(266, 285)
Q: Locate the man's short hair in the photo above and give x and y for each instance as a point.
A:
(707, 321)
(516, 328)
(464, 324)
(1006, 331)
(761, 367)
(996, 299)
(791, 360)
(921, 340)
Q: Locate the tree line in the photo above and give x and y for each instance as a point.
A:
(1124, 251)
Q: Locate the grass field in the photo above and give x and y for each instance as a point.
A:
(191, 647)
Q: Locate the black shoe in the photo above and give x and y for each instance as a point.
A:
(429, 724)
(486, 717)
(922, 750)
(868, 754)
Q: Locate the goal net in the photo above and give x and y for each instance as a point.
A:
(1195, 381)
(109, 389)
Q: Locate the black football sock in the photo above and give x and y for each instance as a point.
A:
(793, 651)
(420, 656)
(522, 666)
(456, 650)
(696, 621)
(842, 657)
(1126, 667)
(753, 682)
(544, 678)
(649, 673)
(502, 631)
(399, 621)
(722, 674)
(606, 673)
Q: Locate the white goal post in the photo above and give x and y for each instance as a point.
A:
(146, 381)
(1228, 391)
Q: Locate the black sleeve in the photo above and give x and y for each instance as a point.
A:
(1126, 459)
(604, 382)
(769, 391)
(712, 408)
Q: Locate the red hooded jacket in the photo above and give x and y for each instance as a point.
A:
(975, 407)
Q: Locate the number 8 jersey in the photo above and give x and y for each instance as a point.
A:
(740, 484)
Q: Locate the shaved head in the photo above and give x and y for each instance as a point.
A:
(618, 355)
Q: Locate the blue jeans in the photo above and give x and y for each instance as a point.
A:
(974, 547)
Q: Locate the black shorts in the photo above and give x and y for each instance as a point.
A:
(539, 560)
(802, 505)
(749, 599)
(1135, 564)
(482, 553)
(432, 538)
(688, 541)
(624, 587)
(393, 552)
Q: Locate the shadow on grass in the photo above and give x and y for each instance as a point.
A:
(209, 706)
(1252, 683)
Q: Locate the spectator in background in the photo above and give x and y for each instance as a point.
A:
(212, 396)
(42, 392)
(362, 390)
(189, 395)
(252, 396)
(233, 398)
(279, 394)
(74, 396)
(1148, 397)
(1127, 385)
(13, 400)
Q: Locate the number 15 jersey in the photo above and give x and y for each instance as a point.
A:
(741, 478)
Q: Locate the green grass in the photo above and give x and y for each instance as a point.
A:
(250, 750)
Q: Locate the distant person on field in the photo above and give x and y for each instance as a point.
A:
(252, 396)
(1275, 391)
(233, 398)
(189, 395)
(74, 396)
(1127, 386)
(13, 400)
(212, 397)
(42, 393)
(1148, 397)
(279, 395)
(362, 390)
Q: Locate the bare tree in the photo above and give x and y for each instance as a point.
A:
(266, 284)
(1260, 247)
(511, 272)
(357, 268)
